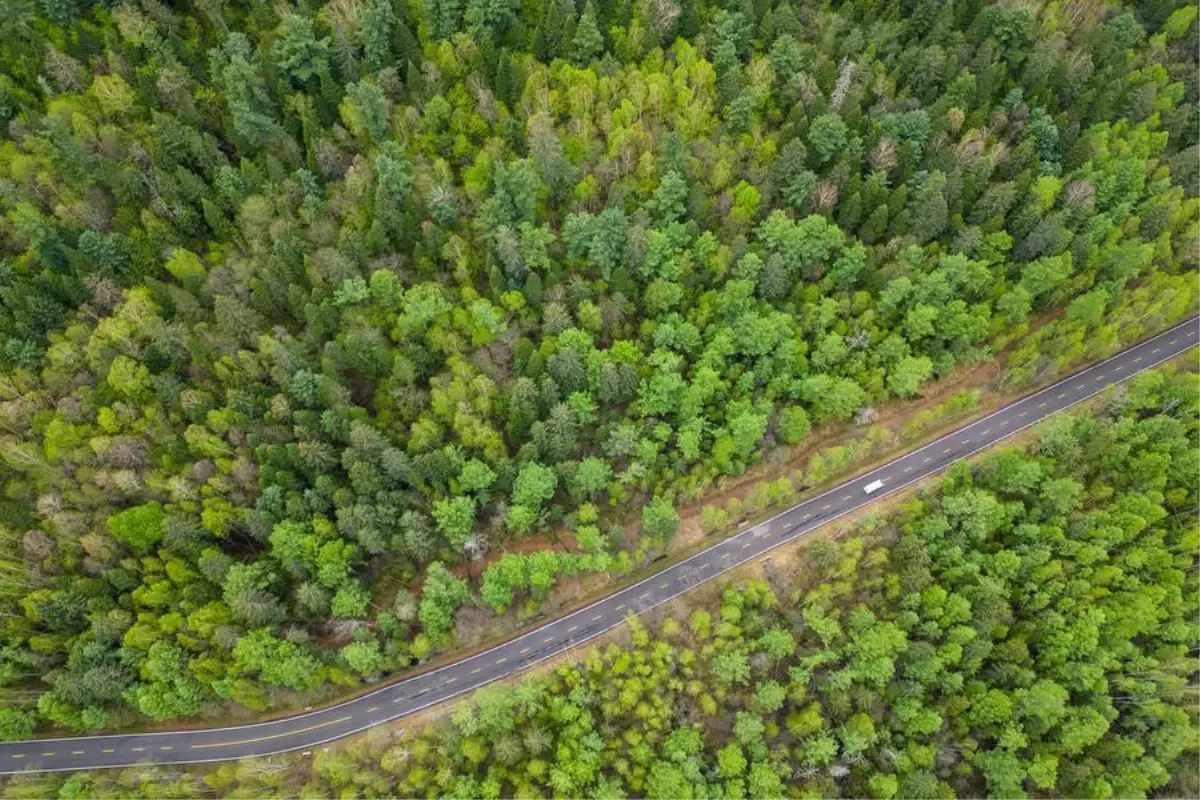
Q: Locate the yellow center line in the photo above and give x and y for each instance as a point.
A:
(266, 738)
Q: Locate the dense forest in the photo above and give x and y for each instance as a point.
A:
(309, 312)
(1026, 627)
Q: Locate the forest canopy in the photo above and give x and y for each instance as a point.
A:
(318, 320)
(1025, 627)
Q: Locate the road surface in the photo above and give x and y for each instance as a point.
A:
(396, 700)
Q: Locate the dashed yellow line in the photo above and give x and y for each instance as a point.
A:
(265, 738)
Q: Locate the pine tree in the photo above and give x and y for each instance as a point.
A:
(555, 31)
(445, 17)
(587, 42)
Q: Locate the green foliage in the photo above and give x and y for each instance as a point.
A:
(440, 598)
(299, 299)
(908, 637)
(16, 724)
(455, 519)
(140, 527)
(659, 519)
(364, 657)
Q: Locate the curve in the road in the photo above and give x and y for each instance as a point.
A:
(421, 691)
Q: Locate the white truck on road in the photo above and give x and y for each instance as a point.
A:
(873, 487)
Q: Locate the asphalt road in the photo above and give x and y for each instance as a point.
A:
(396, 700)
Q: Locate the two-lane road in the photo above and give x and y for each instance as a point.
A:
(398, 699)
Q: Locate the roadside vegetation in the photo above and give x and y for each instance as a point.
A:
(1027, 626)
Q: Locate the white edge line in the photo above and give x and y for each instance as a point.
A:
(794, 534)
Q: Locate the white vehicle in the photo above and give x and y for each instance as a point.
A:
(873, 487)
